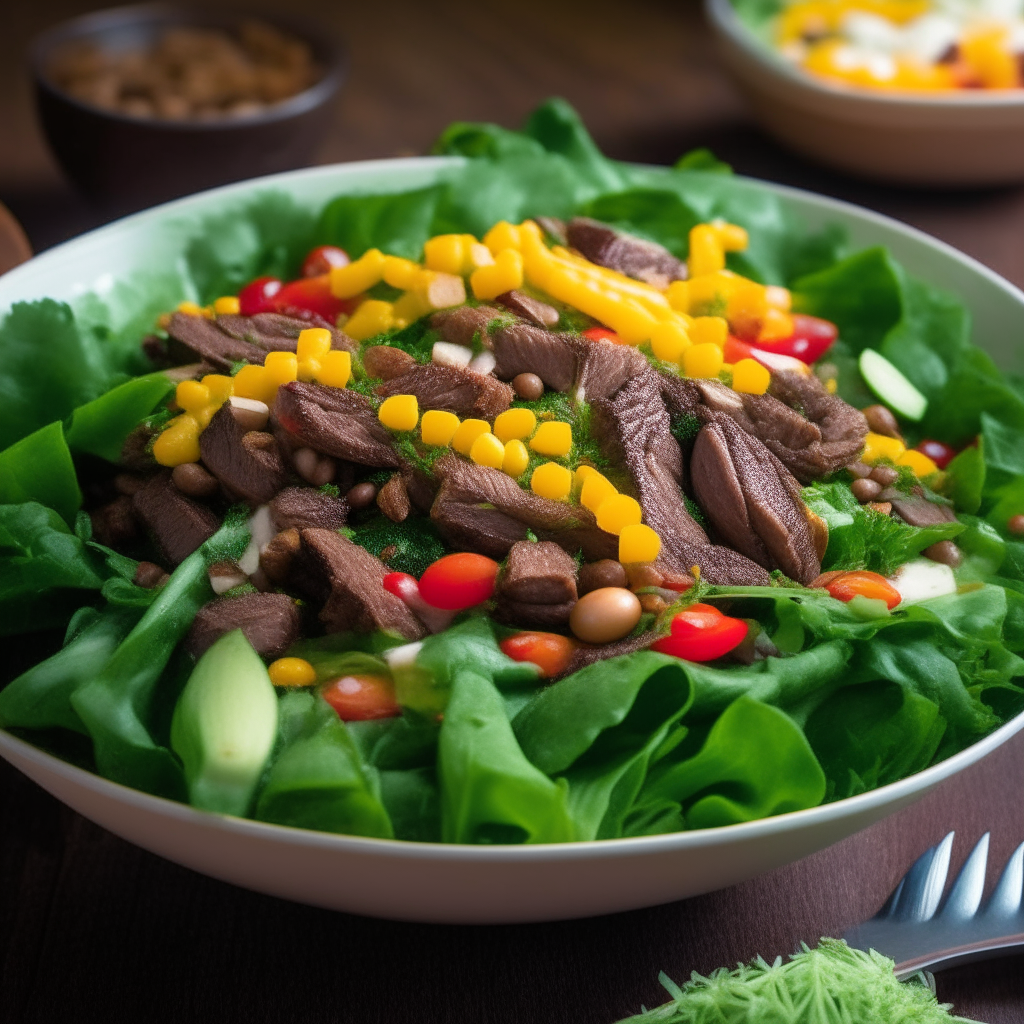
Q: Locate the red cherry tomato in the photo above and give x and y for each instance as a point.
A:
(701, 633)
(602, 334)
(550, 652)
(322, 258)
(259, 296)
(940, 453)
(401, 584)
(735, 350)
(863, 583)
(458, 581)
(358, 698)
(312, 295)
(812, 337)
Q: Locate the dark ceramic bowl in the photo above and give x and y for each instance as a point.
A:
(123, 163)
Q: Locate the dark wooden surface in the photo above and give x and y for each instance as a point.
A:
(94, 929)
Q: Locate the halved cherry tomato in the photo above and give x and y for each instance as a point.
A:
(312, 295)
(863, 583)
(259, 296)
(550, 652)
(812, 337)
(602, 334)
(701, 633)
(735, 350)
(459, 581)
(358, 698)
(322, 258)
(939, 452)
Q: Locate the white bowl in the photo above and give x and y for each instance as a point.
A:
(963, 138)
(443, 883)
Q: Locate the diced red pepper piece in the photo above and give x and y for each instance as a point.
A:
(459, 581)
(939, 452)
(322, 258)
(812, 337)
(259, 296)
(863, 583)
(701, 633)
(735, 350)
(550, 652)
(602, 334)
(312, 295)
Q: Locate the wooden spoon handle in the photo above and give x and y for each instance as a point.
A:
(14, 247)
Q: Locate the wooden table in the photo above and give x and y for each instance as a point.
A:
(94, 929)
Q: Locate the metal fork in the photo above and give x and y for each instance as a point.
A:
(913, 931)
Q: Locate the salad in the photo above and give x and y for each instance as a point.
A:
(558, 500)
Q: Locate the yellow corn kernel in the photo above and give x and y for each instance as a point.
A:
(292, 672)
(254, 382)
(335, 368)
(989, 56)
(731, 237)
(440, 291)
(918, 462)
(669, 341)
(309, 370)
(281, 367)
(551, 480)
(399, 412)
(437, 428)
(638, 543)
(178, 442)
(703, 360)
(446, 253)
(192, 396)
(596, 489)
(313, 343)
(227, 305)
(408, 307)
(400, 273)
(220, 386)
(191, 309)
(356, 277)
(468, 431)
(581, 474)
(514, 425)
(503, 275)
(503, 236)
(706, 252)
(516, 458)
(553, 438)
(709, 329)
(878, 446)
(778, 297)
(678, 296)
(487, 450)
(750, 377)
(831, 385)
(617, 512)
(373, 317)
(775, 325)
(476, 255)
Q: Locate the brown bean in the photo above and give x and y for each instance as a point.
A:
(881, 421)
(859, 470)
(528, 386)
(192, 479)
(653, 603)
(605, 573)
(643, 574)
(885, 475)
(278, 553)
(944, 551)
(361, 496)
(605, 615)
(866, 490)
(881, 507)
(1015, 524)
(313, 468)
(150, 575)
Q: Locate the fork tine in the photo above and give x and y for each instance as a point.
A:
(965, 896)
(920, 892)
(1009, 891)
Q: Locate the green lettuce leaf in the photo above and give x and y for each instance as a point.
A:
(39, 468)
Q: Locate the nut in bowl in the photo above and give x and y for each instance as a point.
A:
(948, 137)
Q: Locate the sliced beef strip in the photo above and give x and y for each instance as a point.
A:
(523, 348)
(247, 464)
(603, 367)
(270, 623)
(635, 429)
(522, 613)
(210, 343)
(538, 573)
(275, 332)
(587, 654)
(538, 313)
(466, 525)
(752, 500)
(917, 510)
(306, 508)
(629, 255)
(461, 324)
(335, 421)
(178, 524)
(453, 389)
(352, 581)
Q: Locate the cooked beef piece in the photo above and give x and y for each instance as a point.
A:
(553, 228)
(523, 348)
(275, 332)
(540, 573)
(351, 581)
(178, 524)
(115, 524)
(604, 367)
(209, 342)
(248, 464)
(270, 623)
(453, 389)
(635, 428)
(461, 324)
(587, 654)
(629, 255)
(393, 499)
(752, 500)
(386, 362)
(522, 613)
(278, 555)
(308, 507)
(530, 309)
(155, 350)
(484, 510)
(335, 421)
(421, 488)
(919, 511)
(135, 453)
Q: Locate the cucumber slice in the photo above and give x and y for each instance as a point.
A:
(891, 386)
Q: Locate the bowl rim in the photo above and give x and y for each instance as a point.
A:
(724, 16)
(761, 828)
(95, 23)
